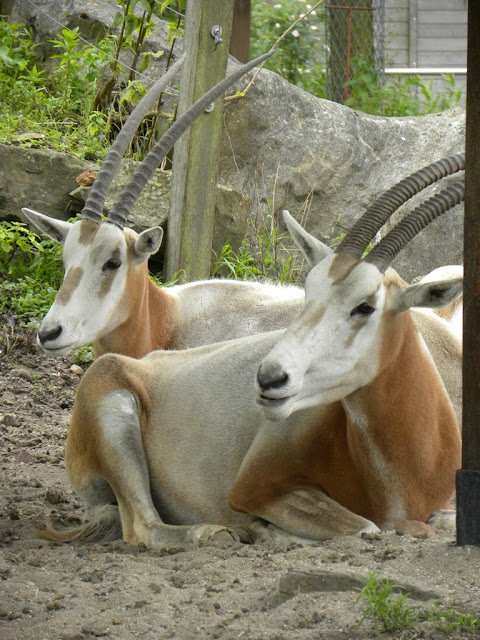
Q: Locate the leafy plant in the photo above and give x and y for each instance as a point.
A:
(83, 355)
(31, 271)
(390, 612)
(267, 256)
(401, 96)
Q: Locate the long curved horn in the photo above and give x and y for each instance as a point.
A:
(95, 201)
(131, 192)
(364, 230)
(410, 226)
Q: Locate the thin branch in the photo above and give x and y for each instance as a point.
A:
(242, 94)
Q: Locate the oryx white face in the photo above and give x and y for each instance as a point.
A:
(89, 302)
(100, 260)
(332, 348)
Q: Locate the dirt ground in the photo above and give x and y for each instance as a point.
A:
(265, 591)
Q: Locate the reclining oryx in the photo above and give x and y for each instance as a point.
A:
(344, 426)
(107, 296)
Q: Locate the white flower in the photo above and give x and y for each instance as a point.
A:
(277, 6)
(314, 27)
(277, 25)
(295, 34)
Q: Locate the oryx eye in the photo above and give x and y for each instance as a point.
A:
(363, 309)
(111, 265)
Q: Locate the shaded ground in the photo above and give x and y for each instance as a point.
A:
(54, 591)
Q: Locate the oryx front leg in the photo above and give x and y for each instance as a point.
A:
(304, 513)
(126, 470)
(124, 466)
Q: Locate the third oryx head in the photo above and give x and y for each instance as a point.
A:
(105, 264)
(353, 314)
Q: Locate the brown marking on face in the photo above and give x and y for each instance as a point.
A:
(70, 283)
(311, 316)
(109, 277)
(88, 231)
(341, 266)
(151, 314)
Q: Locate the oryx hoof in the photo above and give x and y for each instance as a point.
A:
(207, 533)
(443, 519)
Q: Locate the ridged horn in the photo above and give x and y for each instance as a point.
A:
(410, 226)
(95, 201)
(131, 192)
(365, 229)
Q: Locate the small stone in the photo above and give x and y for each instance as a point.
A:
(24, 456)
(24, 373)
(86, 178)
(10, 420)
(414, 528)
(55, 497)
(76, 369)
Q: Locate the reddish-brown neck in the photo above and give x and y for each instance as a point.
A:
(150, 322)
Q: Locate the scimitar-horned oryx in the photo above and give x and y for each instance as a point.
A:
(108, 298)
(337, 425)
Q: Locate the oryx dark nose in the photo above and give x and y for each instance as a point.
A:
(50, 334)
(271, 378)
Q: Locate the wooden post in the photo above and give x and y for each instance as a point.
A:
(468, 478)
(195, 158)
(240, 42)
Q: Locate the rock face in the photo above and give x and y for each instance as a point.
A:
(45, 180)
(39, 179)
(326, 163)
(284, 148)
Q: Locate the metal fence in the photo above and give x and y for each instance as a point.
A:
(355, 36)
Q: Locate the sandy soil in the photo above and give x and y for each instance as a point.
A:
(263, 591)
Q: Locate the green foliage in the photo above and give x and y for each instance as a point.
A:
(449, 621)
(390, 612)
(73, 107)
(298, 59)
(401, 96)
(31, 270)
(266, 256)
(83, 355)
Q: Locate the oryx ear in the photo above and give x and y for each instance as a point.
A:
(56, 229)
(429, 294)
(314, 250)
(147, 243)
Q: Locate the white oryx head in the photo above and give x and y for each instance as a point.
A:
(102, 259)
(102, 264)
(343, 336)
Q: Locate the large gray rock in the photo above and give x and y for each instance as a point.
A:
(39, 179)
(45, 180)
(326, 163)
